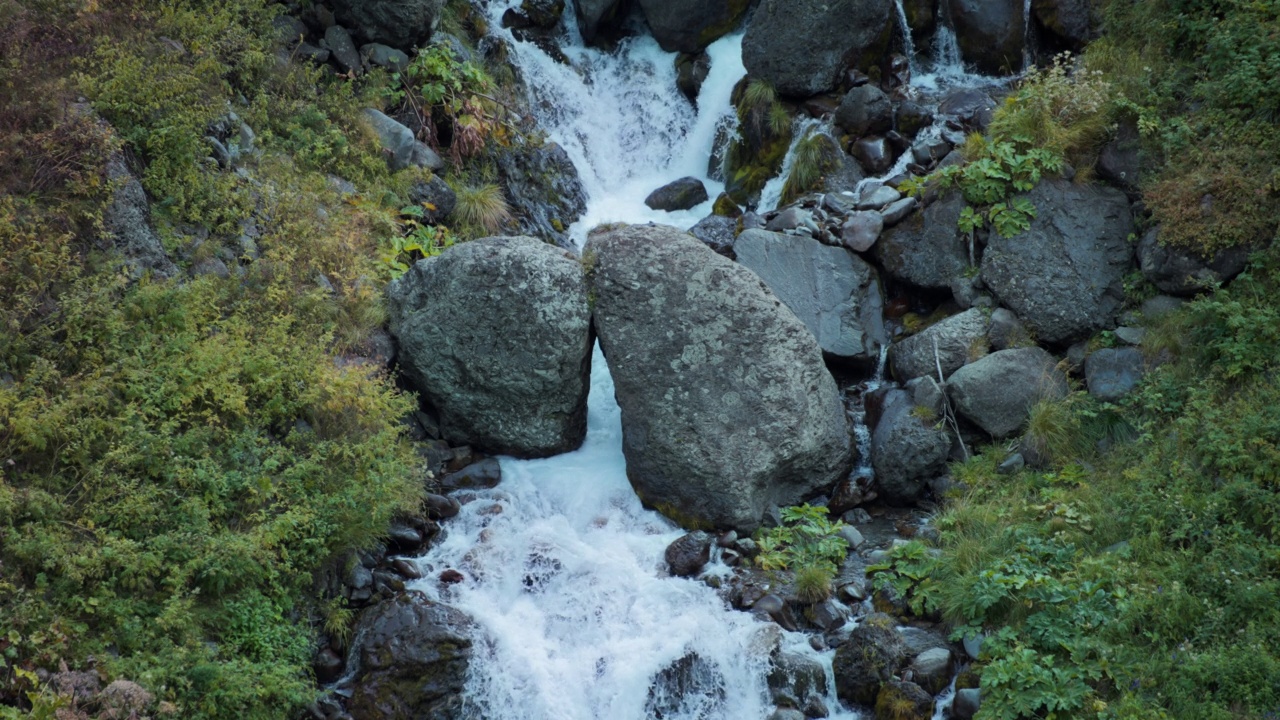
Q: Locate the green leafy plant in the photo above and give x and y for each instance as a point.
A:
(807, 543)
(462, 94)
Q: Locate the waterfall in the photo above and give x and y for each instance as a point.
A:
(908, 44)
(622, 120)
(563, 568)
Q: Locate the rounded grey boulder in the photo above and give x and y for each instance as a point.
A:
(926, 250)
(690, 25)
(727, 407)
(801, 46)
(998, 391)
(989, 33)
(833, 292)
(948, 344)
(1112, 372)
(1064, 276)
(402, 24)
(496, 335)
(906, 450)
(682, 194)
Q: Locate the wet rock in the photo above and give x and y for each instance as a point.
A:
(949, 344)
(496, 335)
(1112, 373)
(1181, 272)
(967, 703)
(926, 250)
(865, 110)
(402, 24)
(718, 233)
(910, 118)
(989, 33)
(801, 47)
(901, 700)
(404, 538)
(861, 230)
(406, 569)
(682, 194)
(873, 153)
(599, 19)
(786, 714)
(680, 688)
(441, 507)
(691, 70)
(833, 292)
(338, 40)
(998, 391)
(398, 144)
(969, 106)
(870, 657)
(796, 676)
(1064, 276)
(696, 341)
(792, 218)
(411, 657)
(543, 189)
(828, 614)
(451, 577)
(687, 555)
(435, 197)
(906, 450)
(127, 222)
(328, 666)
(486, 473)
(691, 25)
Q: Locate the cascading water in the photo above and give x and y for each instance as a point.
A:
(563, 568)
(622, 120)
(908, 43)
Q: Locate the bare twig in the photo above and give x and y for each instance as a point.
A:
(947, 413)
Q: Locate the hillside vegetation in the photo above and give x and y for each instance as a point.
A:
(1137, 575)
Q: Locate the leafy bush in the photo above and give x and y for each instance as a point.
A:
(808, 544)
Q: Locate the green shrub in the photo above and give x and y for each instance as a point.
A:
(808, 544)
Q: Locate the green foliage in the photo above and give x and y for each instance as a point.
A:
(997, 169)
(1137, 581)
(764, 136)
(452, 99)
(814, 157)
(807, 543)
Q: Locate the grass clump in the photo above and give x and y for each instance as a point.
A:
(764, 136)
(481, 209)
(814, 156)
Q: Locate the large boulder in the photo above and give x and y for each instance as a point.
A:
(802, 46)
(682, 194)
(990, 33)
(690, 25)
(727, 407)
(543, 189)
(1073, 22)
(833, 292)
(127, 222)
(1178, 271)
(496, 335)
(926, 249)
(411, 657)
(865, 110)
(402, 24)
(997, 392)
(907, 449)
(598, 18)
(1064, 275)
(948, 344)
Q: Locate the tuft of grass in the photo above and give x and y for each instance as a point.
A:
(481, 209)
(812, 158)
(813, 583)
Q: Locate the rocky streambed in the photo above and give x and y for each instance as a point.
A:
(671, 386)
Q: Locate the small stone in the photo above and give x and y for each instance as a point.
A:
(682, 194)
(451, 577)
(404, 539)
(861, 230)
(856, 516)
(878, 198)
(440, 507)
(1014, 463)
(477, 476)
(967, 703)
(852, 536)
(687, 555)
(384, 56)
(1007, 331)
(873, 153)
(311, 53)
(338, 40)
(406, 569)
(898, 211)
(1111, 373)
